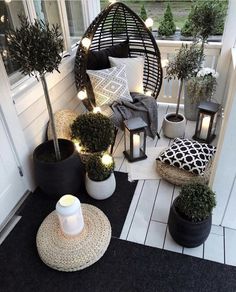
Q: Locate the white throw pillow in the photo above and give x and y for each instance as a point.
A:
(134, 71)
(109, 84)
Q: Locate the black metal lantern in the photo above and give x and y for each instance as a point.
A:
(206, 121)
(135, 139)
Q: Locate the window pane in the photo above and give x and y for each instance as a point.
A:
(9, 11)
(75, 19)
(47, 10)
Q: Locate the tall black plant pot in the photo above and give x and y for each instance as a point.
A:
(60, 177)
(187, 233)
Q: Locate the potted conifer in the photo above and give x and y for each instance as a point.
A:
(183, 65)
(190, 215)
(36, 48)
(167, 26)
(100, 181)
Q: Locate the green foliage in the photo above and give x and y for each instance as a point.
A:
(207, 17)
(195, 202)
(167, 26)
(186, 29)
(98, 171)
(143, 13)
(185, 62)
(201, 88)
(35, 47)
(94, 132)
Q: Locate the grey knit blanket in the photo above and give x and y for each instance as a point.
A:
(142, 106)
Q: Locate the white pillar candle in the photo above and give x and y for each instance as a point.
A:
(136, 145)
(70, 215)
(205, 126)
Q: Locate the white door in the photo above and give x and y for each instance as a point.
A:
(12, 186)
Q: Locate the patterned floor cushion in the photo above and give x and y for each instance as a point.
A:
(186, 161)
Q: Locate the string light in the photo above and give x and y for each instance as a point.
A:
(86, 42)
(2, 18)
(107, 159)
(82, 94)
(149, 22)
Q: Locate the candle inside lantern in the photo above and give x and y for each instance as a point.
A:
(70, 215)
(136, 145)
(205, 126)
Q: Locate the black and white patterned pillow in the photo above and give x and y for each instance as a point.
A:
(188, 155)
(109, 85)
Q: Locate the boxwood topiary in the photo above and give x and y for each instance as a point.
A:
(97, 170)
(195, 202)
(94, 132)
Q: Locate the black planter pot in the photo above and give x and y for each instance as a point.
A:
(60, 177)
(187, 233)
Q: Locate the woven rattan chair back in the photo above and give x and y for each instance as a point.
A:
(115, 24)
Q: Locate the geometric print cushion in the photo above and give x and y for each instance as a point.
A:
(188, 155)
(109, 85)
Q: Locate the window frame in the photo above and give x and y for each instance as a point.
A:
(90, 8)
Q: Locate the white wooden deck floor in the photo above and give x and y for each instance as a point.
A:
(146, 222)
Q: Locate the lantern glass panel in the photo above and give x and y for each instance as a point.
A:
(204, 125)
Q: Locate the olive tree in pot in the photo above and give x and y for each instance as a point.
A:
(92, 132)
(190, 215)
(100, 181)
(37, 48)
(183, 65)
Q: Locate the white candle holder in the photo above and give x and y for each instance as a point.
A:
(70, 215)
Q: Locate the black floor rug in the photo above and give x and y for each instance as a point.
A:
(125, 266)
(39, 205)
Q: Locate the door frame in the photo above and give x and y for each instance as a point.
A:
(15, 131)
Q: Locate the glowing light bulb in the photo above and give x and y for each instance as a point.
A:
(4, 53)
(96, 110)
(112, 1)
(107, 159)
(82, 94)
(8, 1)
(149, 22)
(2, 18)
(86, 42)
(77, 146)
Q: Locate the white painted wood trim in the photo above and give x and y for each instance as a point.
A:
(17, 135)
(224, 169)
(228, 40)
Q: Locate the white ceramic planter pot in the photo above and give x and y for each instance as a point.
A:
(173, 129)
(100, 190)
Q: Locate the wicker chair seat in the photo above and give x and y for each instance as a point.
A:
(115, 24)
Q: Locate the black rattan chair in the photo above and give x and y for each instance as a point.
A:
(115, 24)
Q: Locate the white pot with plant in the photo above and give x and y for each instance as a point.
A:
(199, 88)
(100, 181)
(183, 65)
(37, 49)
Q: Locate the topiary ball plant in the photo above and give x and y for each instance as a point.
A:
(93, 131)
(195, 202)
(100, 167)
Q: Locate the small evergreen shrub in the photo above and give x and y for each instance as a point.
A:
(167, 26)
(143, 13)
(195, 201)
(93, 131)
(97, 170)
(187, 29)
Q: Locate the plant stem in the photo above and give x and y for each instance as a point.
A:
(51, 117)
(179, 95)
